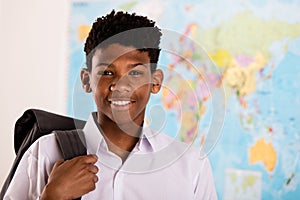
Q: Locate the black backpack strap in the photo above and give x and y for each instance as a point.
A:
(71, 142)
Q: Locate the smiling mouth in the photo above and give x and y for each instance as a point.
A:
(120, 103)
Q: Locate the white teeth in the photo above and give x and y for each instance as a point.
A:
(120, 103)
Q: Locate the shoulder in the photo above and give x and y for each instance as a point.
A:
(182, 154)
(46, 146)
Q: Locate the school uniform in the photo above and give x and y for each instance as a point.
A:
(158, 167)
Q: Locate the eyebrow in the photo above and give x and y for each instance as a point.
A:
(111, 65)
(103, 64)
(136, 64)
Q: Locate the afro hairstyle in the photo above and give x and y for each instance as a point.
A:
(127, 30)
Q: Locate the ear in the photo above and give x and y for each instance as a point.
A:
(157, 77)
(85, 80)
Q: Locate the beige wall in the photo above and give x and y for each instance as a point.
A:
(33, 55)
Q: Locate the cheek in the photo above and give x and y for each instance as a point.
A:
(141, 84)
(143, 91)
(99, 85)
(99, 91)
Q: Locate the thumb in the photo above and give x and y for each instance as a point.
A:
(57, 164)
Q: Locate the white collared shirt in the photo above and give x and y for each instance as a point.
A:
(159, 168)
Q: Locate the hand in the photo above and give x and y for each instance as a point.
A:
(71, 179)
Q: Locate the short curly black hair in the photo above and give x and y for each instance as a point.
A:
(141, 33)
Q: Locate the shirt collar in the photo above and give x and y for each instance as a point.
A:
(92, 134)
(95, 140)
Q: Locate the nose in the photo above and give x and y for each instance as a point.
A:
(120, 84)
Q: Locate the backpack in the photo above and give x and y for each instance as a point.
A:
(34, 124)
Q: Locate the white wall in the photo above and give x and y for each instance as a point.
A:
(33, 55)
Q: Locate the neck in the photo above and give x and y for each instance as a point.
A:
(121, 139)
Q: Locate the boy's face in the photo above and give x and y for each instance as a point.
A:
(121, 82)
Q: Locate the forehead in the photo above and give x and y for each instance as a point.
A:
(117, 52)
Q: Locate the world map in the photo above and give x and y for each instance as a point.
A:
(228, 64)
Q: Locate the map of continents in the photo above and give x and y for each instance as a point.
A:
(254, 48)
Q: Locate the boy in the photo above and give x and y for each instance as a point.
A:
(125, 159)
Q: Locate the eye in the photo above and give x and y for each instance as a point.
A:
(105, 73)
(135, 72)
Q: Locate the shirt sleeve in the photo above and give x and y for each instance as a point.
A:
(31, 174)
(205, 187)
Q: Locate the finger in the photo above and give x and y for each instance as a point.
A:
(94, 169)
(96, 179)
(87, 159)
(92, 159)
